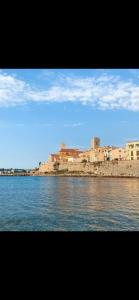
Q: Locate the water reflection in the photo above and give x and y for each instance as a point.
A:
(91, 193)
(69, 203)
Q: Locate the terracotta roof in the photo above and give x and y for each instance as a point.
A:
(69, 150)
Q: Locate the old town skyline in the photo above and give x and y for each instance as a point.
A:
(41, 108)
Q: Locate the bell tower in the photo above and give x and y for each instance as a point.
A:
(62, 146)
(95, 142)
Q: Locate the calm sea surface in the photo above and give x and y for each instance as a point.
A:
(68, 204)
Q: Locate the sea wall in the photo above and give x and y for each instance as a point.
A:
(107, 168)
(46, 167)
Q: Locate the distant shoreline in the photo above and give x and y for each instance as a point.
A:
(12, 175)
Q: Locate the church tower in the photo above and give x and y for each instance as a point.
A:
(62, 146)
(95, 142)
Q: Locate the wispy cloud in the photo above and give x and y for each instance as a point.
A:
(101, 92)
(4, 124)
(43, 124)
(73, 125)
(127, 139)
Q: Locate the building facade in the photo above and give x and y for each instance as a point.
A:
(118, 154)
(132, 149)
(53, 158)
(85, 156)
(101, 153)
(65, 154)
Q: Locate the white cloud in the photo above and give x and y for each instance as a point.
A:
(12, 90)
(102, 92)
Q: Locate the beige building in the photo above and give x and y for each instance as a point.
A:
(118, 154)
(132, 149)
(85, 155)
(101, 153)
(53, 158)
(65, 154)
(98, 153)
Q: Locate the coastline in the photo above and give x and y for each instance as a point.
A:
(14, 175)
(71, 175)
(82, 175)
(113, 169)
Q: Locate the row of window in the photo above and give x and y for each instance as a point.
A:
(137, 153)
(132, 146)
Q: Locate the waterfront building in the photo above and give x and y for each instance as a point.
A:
(118, 154)
(68, 153)
(64, 154)
(101, 153)
(85, 156)
(53, 158)
(132, 149)
(96, 153)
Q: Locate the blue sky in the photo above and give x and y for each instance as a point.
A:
(39, 109)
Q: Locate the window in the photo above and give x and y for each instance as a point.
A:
(131, 146)
(131, 158)
(131, 153)
(137, 152)
(138, 157)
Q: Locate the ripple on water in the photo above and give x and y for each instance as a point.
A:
(69, 204)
